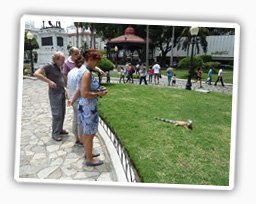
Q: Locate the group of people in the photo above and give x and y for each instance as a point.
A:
(73, 81)
(209, 77)
(154, 70)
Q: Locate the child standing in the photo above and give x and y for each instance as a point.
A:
(174, 79)
(150, 74)
(122, 73)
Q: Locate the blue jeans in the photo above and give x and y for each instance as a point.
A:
(169, 80)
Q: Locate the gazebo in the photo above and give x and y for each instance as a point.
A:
(130, 46)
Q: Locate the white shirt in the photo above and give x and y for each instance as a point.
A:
(220, 72)
(156, 68)
(72, 81)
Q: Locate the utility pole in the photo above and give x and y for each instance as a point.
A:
(147, 46)
(173, 32)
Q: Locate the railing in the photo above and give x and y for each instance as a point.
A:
(129, 170)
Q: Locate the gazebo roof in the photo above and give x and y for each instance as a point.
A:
(128, 37)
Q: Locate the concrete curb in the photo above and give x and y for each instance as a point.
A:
(118, 168)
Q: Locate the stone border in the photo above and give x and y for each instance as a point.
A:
(123, 167)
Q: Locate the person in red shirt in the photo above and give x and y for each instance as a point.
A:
(130, 70)
(150, 74)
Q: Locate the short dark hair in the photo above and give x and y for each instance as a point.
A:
(79, 62)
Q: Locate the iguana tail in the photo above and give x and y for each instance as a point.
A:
(165, 120)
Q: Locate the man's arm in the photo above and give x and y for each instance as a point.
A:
(40, 75)
(97, 69)
(76, 96)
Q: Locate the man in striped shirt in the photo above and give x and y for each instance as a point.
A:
(72, 87)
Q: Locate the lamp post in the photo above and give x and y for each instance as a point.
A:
(116, 50)
(194, 32)
(30, 37)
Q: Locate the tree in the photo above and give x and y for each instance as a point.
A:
(91, 27)
(185, 40)
(77, 25)
(161, 36)
(28, 43)
(83, 48)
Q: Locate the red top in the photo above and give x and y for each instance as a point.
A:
(151, 71)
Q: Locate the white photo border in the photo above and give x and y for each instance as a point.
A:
(27, 17)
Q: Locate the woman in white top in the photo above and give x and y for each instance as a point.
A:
(219, 78)
(156, 69)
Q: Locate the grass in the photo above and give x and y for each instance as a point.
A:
(161, 152)
(227, 75)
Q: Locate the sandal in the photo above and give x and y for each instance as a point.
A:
(99, 162)
(79, 144)
(93, 155)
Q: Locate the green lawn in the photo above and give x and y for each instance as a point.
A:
(182, 74)
(161, 152)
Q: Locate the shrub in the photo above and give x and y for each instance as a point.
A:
(213, 65)
(26, 69)
(105, 64)
(136, 76)
(185, 62)
(206, 58)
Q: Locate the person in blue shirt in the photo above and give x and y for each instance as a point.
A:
(169, 75)
(209, 79)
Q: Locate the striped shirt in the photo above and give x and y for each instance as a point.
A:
(72, 81)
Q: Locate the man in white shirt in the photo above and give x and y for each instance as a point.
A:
(156, 69)
(72, 87)
(220, 78)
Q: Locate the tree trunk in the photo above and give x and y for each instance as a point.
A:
(77, 37)
(163, 59)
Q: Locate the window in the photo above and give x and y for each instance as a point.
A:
(60, 41)
(47, 41)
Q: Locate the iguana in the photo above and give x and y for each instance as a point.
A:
(186, 124)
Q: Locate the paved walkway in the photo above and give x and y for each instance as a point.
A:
(181, 83)
(43, 158)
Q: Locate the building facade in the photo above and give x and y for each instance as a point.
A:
(54, 38)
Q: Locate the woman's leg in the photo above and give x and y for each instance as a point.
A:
(75, 124)
(88, 147)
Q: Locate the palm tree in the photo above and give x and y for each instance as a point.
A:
(77, 25)
(90, 26)
(184, 40)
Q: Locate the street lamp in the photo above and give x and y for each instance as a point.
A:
(194, 32)
(30, 36)
(116, 50)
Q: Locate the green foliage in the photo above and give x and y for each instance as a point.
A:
(206, 58)
(136, 76)
(26, 69)
(105, 64)
(83, 48)
(185, 62)
(28, 43)
(213, 65)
